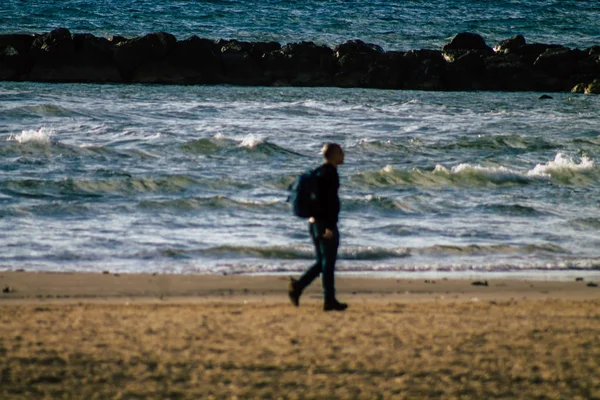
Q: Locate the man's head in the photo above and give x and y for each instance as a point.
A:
(333, 154)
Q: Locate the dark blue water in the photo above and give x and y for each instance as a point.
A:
(395, 25)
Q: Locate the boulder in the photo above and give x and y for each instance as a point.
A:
(558, 61)
(53, 48)
(579, 88)
(354, 59)
(193, 61)
(388, 71)
(593, 88)
(466, 70)
(425, 70)
(132, 53)
(89, 59)
(466, 55)
(356, 46)
(15, 56)
(508, 45)
(242, 61)
(467, 41)
(508, 72)
(530, 52)
(300, 64)
(94, 59)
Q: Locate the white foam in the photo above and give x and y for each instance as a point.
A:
(561, 163)
(41, 136)
(465, 167)
(388, 169)
(251, 141)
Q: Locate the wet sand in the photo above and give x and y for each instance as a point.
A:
(74, 335)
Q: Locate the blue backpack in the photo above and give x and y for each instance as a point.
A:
(303, 194)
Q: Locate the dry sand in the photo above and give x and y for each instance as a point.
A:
(83, 336)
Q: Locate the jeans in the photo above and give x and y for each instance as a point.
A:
(325, 256)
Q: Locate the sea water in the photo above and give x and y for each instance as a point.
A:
(193, 179)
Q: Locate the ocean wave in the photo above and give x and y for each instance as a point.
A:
(196, 203)
(73, 188)
(302, 253)
(371, 253)
(498, 142)
(39, 137)
(250, 144)
(39, 110)
(563, 170)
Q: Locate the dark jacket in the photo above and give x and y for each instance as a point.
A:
(327, 196)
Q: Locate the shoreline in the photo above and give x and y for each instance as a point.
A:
(66, 287)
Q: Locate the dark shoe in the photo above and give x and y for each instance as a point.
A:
(294, 292)
(334, 306)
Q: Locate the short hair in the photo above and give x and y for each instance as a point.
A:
(329, 149)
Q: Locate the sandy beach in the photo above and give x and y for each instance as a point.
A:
(78, 335)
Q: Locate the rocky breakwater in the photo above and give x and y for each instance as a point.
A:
(466, 63)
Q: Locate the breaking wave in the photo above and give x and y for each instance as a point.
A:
(562, 170)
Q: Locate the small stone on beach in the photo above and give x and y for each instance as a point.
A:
(7, 289)
(480, 283)
(592, 284)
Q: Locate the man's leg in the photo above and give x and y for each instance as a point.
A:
(296, 287)
(329, 249)
(313, 272)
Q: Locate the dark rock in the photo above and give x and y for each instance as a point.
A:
(467, 41)
(116, 39)
(388, 71)
(465, 69)
(507, 72)
(15, 56)
(131, 54)
(94, 60)
(93, 50)
(192, 61)
(558, 61)
(592, 284)
(530, 52)
(242, 61)
(356, 46)
(425, 70)
(466, 63)
(579, 88)
(91, 60)
(579, 279)
(300, 64)
(480, 283)
(545, 97)
(508, 45)
(354, 59)
(7, 289)
(593, 88)
(589, 63)
(54, 47)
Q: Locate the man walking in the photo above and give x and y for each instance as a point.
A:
(323, 231)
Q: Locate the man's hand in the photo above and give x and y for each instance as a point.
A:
(328, 234)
